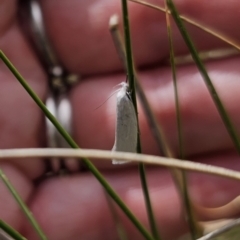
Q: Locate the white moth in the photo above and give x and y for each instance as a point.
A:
(126, 124)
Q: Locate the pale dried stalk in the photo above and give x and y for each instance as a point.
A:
(221, 230)
(109, 155)
(188, 20)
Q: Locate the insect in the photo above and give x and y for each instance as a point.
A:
(126, 123)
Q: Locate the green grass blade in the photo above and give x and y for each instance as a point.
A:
(117, 38)
(73, 144)
(195, 229)
(193, 225)
(192, 22)
(203, 71)
(176, 95)
(147, 199)
(131, 79)
(128, 47)
(10, 231)
(23, 206)
(118, 223)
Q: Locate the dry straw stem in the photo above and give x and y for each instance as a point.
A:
(108, 156)
(221, 230)
(188, 20)
(228, 210)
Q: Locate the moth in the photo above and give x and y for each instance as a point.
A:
(126, 123)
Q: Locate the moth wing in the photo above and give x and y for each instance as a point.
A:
(126, 127)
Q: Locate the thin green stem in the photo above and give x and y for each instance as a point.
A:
(194, 228)
(11, 231)
(152, 121)
(23, 206)
(128, 47)
(129, 63)
(117, 38)
(147, 199)
(131, 79)
(174, 76)
(73, 144)
(193, 225)
(190, 21)
(119, 226)
(203, 71)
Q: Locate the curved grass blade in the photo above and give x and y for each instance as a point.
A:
(221, 109)
(176, 95)
(119, 226)
(188, 20)
(73, 144)
(23, 206)
(194, 227)
(10, 231)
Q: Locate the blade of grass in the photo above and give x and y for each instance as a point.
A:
(119, 226)
(154, 126)
(174, 76)
(73, 144)
(194, 227)
(200, 26)
(131, 79)
(23, 206)
(147, 199)
(203, 71)
(10, 231)
(5, 236)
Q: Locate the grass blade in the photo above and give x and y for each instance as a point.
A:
(188, 20)
(131, 79)
(174, 76)
(195, 229)
(23, 206)
(10, 231)
(73, 144)
(150, 213)
(119, 226)
(203, 71)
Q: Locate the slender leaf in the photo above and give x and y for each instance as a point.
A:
(131, 79)
(221, 109)
(23, 206)
(10, 231)
(73, 144)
